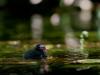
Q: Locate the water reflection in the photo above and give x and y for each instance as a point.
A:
(29, 70)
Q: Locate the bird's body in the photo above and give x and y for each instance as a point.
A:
(36, 53)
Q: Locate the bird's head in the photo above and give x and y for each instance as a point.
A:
(40, 47)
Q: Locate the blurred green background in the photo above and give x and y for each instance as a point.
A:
(53, 18)
(24, 23)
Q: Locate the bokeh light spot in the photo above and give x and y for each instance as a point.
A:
(85, 16)
(85, 4)
(68, 2)
(35, 1)
(37, 22)
(55, 19)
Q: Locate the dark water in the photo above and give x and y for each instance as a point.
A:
(34, 70)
